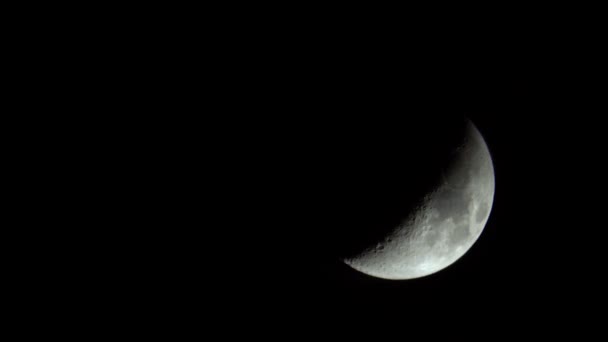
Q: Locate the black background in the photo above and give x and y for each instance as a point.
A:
(217, 175)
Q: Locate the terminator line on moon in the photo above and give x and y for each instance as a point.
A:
(445, 223)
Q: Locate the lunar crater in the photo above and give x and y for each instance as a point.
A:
(444, 225)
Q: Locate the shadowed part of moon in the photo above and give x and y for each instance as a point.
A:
(439, 221)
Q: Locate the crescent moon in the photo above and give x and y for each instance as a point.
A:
(446, 222)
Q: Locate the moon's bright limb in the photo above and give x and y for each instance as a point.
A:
(446, 223)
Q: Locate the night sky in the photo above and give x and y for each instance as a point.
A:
(220, 191)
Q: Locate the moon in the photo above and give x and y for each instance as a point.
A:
(445, 222)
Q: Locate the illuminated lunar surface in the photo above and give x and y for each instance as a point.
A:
(445, 223)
